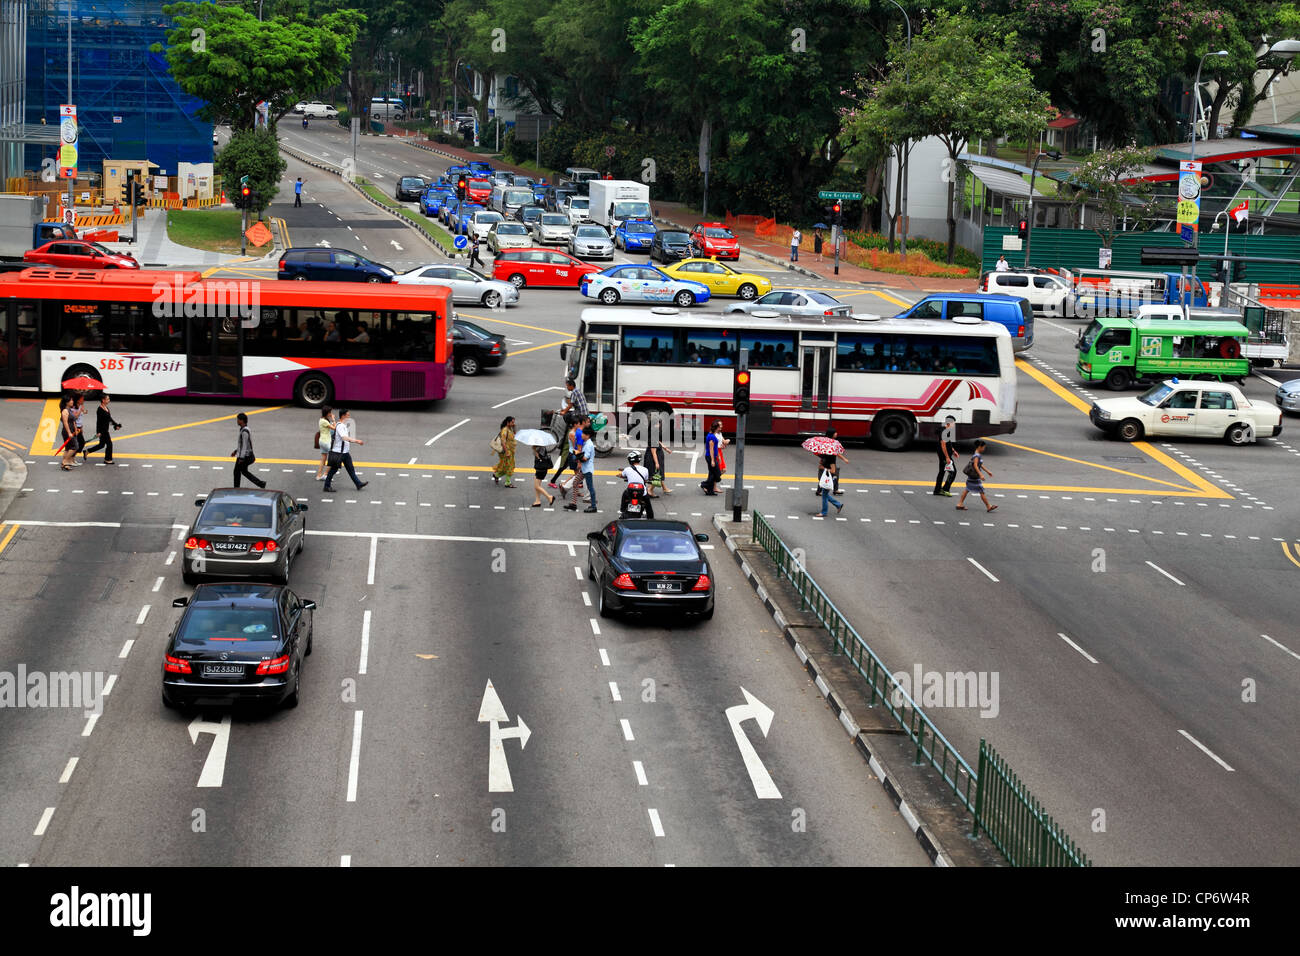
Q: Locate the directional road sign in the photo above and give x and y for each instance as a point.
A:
(460, 242)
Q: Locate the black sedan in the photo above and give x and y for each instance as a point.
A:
(411, 188)
(650, 565)
(669, 245)
(237, 642)
(244, 533)
(474, 348)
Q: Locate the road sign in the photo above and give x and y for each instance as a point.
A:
(762, 715)
(258, 234)
(460, 242)
(492, 712)
(838, 194)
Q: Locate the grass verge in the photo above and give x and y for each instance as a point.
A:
(213, 230)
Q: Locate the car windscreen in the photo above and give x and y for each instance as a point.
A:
(412, 181)
(238, 629)
(219, 514)
(657, 546)
(1089, 336)
(554, 219)
(512, 229)
(480, 184)
(488, 217)
(580, 203)
(674, 236)
(821, 298)
(1154, 395)
(591, 232)
(719, 234)
(638, 226)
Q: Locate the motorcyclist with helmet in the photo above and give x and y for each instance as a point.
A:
(637, 477)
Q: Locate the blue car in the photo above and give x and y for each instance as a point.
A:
(634, 283)
(433, 199)
(448, 211)
(464, 212)
(634, 234)
(480, 168)
(540, 189)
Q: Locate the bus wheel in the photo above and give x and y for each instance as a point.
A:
(313, 391)
(1118, 379)
(685, 299)
(893, 430)
(609, 296)
(1130, 429)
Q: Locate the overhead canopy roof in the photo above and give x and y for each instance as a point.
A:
(1003, 182)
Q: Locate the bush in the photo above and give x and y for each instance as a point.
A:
(934, 250)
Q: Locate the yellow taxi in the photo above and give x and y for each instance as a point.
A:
(721, 280)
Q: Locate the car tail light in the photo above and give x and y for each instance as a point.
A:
(702, 584)
(624, 582)
(174, 665)
(1020, 332)
(200, 544)
(278, 666)
(829, 312)
(282, 265)
(496, 348)
(260, 546)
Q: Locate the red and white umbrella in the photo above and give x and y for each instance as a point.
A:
(821, 445)
(82, 383)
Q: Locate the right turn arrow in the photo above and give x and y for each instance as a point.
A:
(762, 715)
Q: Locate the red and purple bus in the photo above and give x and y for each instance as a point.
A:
(178, 334)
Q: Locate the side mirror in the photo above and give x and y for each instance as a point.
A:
(595, 536)
(198, 502)
(309, 605)
(302, 507)
(180, 602)
(564, 351)
(701, 537)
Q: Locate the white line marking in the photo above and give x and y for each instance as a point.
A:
(157, 585)
(91, 721)
(44, 822)
(985, 570)
(586, 599)
(126, 648)
(144, 612)
(1207, 751)
(549, 388)
(595, 628)
(374, 547)
(170, 558)
(67, 771)
(354, 764)
(577, 573)
(654, 822)
(345, 860)
(640, 773)
(1283, 646)
(108, 685)
(365, 642)
(1091, 659)
(604, 658)
(627, 729)
(443, 432)
(1166, 574)
(613, 691)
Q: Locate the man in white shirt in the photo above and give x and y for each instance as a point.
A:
(637, 474)
(340, 450)
(1002, 265)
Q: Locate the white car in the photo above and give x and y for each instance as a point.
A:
(1046, 292)
(591, 242)
(508, 235)
(552, 227)
(317, 108)
(578, 209)
(1188, 410)
(467, 286)
(482, 221)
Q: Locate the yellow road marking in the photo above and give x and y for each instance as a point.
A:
(1078, 461)
(11, 445)
(4, 542)
(206, 421)
(1286, 549)
(284, 234)
(46, 430)
(1191, 477)
(518, 325)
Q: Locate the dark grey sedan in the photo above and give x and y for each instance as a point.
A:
(244, 533)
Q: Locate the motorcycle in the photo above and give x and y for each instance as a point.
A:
(635, 502)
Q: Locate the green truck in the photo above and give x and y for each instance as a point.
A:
(1122, 351)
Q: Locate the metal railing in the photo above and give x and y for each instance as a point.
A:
(1007, 812)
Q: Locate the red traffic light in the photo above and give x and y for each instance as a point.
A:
(836, 208)
(742, 378)
(245, 191)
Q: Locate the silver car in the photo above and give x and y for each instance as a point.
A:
(508, 235)
(467, 286)
(1288, 396)
(591, 242)
(552, 227)
(794, 302)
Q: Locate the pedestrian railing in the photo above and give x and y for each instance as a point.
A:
(1011, 810)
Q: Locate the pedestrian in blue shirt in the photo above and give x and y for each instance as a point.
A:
(588, 460)
(713, 445)
(297, 189)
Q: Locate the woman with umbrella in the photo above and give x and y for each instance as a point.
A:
(827, 448)
(817, 239)
(541, 442)
(506, 453)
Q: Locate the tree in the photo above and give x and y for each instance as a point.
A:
(256, 154)
(961, 86)
(232, 61)
(1110, 182)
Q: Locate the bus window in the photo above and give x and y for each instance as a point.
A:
(770, 349)
(860, 353)
(710, 347)
(651, 347)
(73, 325)
(132, 327)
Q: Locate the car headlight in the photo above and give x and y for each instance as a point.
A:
(1103, 414)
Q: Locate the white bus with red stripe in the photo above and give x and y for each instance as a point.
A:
(894, 380)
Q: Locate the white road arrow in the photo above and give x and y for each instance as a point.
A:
(324, 242)
(492, 712)
(214, 768)
(396, 244)
(762, 715)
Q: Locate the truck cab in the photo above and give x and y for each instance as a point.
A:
(1122, 351)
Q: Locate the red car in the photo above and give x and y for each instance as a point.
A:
(540, 267)
(67, 254)
(714, 239)
(478, 190)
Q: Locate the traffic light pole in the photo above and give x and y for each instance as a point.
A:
(737, 494)
(839, 216)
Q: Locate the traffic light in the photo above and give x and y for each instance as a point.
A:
(836, 209)
(461, 185)
(246, 191)
(1023, 228)
(740, 391)
(1239, 271)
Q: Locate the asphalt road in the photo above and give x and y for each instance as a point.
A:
(1140, 627)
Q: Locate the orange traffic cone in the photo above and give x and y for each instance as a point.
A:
(223, 197)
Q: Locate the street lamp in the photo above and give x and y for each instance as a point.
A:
(904, 163)
(1055, 156)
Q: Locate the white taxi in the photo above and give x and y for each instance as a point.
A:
(640, 283)
(1188, 409)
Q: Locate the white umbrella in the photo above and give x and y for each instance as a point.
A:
(536, 438)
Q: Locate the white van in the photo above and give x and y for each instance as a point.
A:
(507, 198)
(1046, 292)
(580, 176)
(390, 109)
(578, 209)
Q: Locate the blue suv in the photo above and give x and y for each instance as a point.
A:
(1013, 312)
(331, 265)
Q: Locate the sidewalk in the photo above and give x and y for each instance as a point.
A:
(153, 248)
(679, 214)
